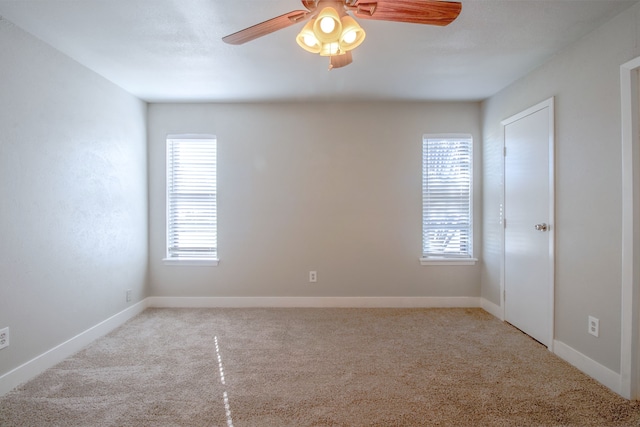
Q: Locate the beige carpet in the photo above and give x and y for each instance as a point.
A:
(315, 367)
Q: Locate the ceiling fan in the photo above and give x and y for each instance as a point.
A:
(332, 31)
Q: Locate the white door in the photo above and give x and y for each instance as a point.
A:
(528, 220)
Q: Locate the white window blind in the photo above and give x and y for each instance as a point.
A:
(191, 199)
(446, 197)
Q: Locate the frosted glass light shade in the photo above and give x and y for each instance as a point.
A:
(307, 39)
(349, 36)
(328, 19)
(352, 34)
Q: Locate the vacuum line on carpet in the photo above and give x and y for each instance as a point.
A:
(227, 409)
(225, 396)
(219, 362)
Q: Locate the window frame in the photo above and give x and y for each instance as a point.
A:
(456, 258)
(185, 260)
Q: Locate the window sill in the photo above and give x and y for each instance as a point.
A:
(448, 261)
(191, 261)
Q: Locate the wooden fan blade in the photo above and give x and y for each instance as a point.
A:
(430, 12)
(266, 27)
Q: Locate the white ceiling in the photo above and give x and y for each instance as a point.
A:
(171, 50)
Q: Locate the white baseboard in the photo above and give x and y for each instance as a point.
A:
(57, 354)
(491, 308)
(595, 370)
(315, 302)
(30, 369)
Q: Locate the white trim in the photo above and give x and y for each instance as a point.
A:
(315, 302)
(170, 140)
(448, 261)
(589, 366)
(192, 136)
(191, 262)
(57, 354)
(443, 260)
(447, 136)
(492, 308)
(50, 358)
(629, 347)
(531, 110)
(549, 104)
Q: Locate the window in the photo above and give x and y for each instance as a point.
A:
(191, 200)
(447, 215)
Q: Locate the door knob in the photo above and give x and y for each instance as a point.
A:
(541, 227)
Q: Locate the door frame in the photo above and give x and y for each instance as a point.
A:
(630, 329)
(548, 103)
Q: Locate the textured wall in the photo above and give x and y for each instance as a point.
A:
(312, 186)
(73, 216)
(585, 79)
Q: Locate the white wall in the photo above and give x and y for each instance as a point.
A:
(585, 81)
(332, 187)
(73, 209)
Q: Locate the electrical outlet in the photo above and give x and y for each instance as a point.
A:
(313, 276)
(128, 295)
(4, 338)
(594, 326)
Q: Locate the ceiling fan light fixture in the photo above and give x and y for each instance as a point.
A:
(332, 31)
(331, 49)
(307, 39)
(352, 34)
(327, 26)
